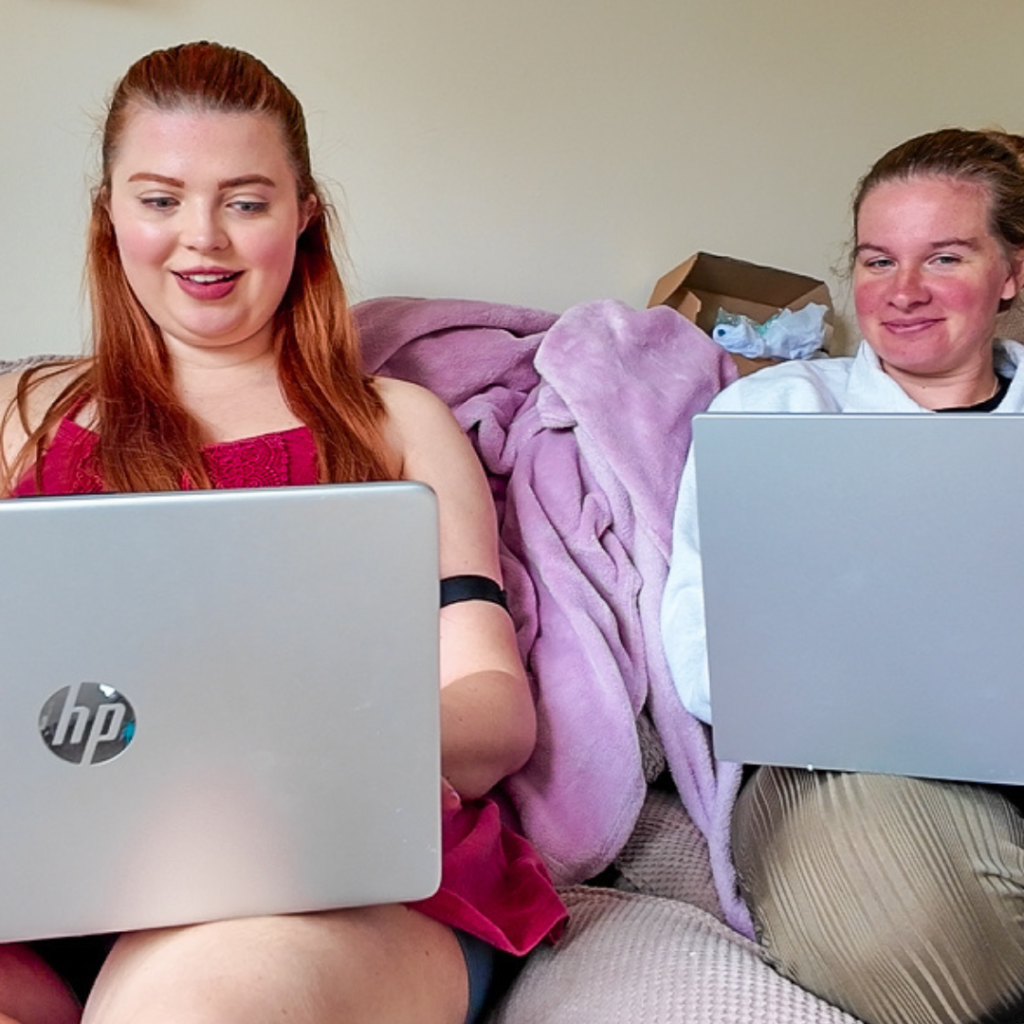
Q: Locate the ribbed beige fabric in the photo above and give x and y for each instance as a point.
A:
(900, 900)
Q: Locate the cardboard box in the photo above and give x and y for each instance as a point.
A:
(704, 283)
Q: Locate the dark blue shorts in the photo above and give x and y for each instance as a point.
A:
(480, 959)
(77, 960)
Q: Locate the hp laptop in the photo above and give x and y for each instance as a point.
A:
(864, 587)
(217, 704)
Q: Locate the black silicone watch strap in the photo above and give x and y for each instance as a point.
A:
(471, 588)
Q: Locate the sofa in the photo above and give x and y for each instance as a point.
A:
(582, 422)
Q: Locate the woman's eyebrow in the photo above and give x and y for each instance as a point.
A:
(241, 180)
(964, 243)
(942, 243)
(162, 178)
(869, 246)
(247, 179)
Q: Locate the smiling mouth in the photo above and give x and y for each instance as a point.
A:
(909, 326)
(208, 278)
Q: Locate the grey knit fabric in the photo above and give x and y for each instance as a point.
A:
(633, 959)
(653, 949)
(10, 365)
(667, 856)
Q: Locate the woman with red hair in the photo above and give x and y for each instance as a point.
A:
(224, 356)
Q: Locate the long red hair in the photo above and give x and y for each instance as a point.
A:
(147, 439)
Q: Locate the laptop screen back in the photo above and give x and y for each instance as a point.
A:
(864, 580)
(217, 704)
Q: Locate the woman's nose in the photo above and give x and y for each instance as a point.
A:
(203, 230)
(909, 288)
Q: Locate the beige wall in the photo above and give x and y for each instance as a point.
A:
(541, 152)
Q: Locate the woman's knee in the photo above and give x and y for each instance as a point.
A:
(898, 899)
(367, 964)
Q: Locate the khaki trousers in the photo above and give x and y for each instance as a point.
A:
(899, 900)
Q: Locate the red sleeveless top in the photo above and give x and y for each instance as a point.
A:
(493, 883)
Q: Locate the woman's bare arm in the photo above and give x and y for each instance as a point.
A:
(488, 723)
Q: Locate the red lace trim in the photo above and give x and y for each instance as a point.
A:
(85, 479)
(255, 462)
(268, 460)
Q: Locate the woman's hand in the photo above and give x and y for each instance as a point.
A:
(450, 799)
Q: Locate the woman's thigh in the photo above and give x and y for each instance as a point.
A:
(369, 964)
(898, 899)
(31, 992)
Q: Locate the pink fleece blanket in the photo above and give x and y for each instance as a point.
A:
(582, 422)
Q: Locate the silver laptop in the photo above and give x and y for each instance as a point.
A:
(864, 586)
(217, 704)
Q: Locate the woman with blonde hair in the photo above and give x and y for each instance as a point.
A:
(900, 900)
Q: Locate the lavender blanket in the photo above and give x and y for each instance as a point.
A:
(582, 422)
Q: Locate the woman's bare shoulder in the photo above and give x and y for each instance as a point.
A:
(403, 397)
(416, 417)
(47, 384)
(433, 449)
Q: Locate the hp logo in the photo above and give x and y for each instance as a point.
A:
(87, 724)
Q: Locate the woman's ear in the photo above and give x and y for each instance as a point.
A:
(1016, 272)
(307, 209)
(101, 198)
(1014, 283)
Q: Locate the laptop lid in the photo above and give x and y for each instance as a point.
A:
(863, 579)
(217, 704)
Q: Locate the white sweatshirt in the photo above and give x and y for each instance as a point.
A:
(845, 384)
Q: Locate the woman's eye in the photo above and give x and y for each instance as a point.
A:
(946, 259)
(158, 202)
(879, 263)
(250, 205)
